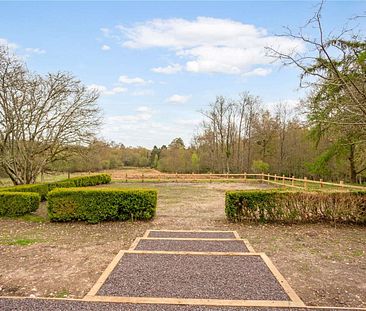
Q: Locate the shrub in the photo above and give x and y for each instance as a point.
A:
(41, 189)
(290, 206)
(95, 205)
(17, 203)
(83, 181)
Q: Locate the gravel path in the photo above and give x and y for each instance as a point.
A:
(193, 276)
(192, 245)
(187, 234)
(69, 305)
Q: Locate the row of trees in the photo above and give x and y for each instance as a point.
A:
(48, 122)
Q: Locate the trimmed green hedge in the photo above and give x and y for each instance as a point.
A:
(18, 203)
(41, 189)
(82, 181)
(95, 205)
(292, 206)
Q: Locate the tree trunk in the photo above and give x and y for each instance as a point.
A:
(352, 166)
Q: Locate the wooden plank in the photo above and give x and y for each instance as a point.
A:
(196, 302)
(249, 246)
(286, 286)
(135, 242)
(105, 274)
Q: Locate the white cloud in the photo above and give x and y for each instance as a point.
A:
(128, 80)
(143, 113)
(178, 99)
(35, 50)
(262, 72)
(7, 43)
(208, 44)
(170, 69)
(103, 90)
(105, 47)
(146, 92)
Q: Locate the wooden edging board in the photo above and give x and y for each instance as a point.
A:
(196, 302)
(147, 232)
(245, 241)
(294, 299)
(105, 299)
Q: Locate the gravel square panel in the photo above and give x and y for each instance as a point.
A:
(188, 234)
(192, 245)
(193, 276)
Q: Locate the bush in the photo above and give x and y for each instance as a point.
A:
(17, 203)
(83, 181)
(290, 206)
(95, 205)
(41, 189)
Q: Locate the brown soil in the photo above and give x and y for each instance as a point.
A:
(325, 264)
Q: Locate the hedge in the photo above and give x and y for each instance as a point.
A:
(95, 205)
(291, 206)
(43, 189)
(83, 181)
(18, 203)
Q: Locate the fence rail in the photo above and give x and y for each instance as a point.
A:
(280, 180)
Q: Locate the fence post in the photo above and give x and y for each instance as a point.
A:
(68, 174)
(341, 183)
(210, 177)
(293, 181)
(305, 183)
(176, 177)
(283, 179)
(158, 177)
(245, 176)
(142, 177)
(321, 183)
(275, 177)
(126, 177)
(268, 176)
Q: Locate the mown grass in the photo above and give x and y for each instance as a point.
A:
(19, 242)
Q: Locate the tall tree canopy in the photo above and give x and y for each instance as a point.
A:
(41, 118)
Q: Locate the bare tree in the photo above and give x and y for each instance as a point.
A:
(41, 118)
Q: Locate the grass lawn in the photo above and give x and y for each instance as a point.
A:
(325, 264)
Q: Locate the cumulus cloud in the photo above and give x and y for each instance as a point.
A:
(208, 44)
(178, 99)
(170, 69)
(105, 47)
(128, 80)
(142, 113)
(103, 90)
(35, 50)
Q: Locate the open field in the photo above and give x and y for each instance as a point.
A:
(325, 264)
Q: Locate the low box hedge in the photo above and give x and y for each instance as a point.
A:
(18, 203)
(82, 181)
(296, 206)
(95, 205)
(44, 188)
(41, 189)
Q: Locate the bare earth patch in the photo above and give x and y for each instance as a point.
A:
(325, 264)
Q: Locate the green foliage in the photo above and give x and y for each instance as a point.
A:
(290, 206)
(41, 189)
(95, 205)
(260, 166)
(83, 181)
(18, 203)
(20, 242)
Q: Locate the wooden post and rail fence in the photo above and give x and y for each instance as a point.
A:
(284, 181)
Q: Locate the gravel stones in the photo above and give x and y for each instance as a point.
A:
(192, 245)
(193, 276)
(190, 234)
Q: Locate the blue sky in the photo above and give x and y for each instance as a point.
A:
(157, 64)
